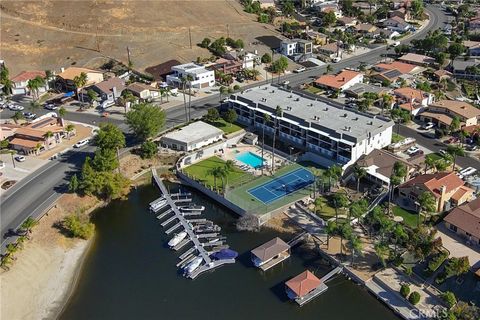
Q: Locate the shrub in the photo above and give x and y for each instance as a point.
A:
(408, 271)
(405, 290)
(436, 261)
(148, 150)
(414, 298)
(78, 227)
(266, 58)
(441, 277)
(236, 87)
(449, 298)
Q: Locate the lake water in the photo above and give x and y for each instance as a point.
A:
(130, 274)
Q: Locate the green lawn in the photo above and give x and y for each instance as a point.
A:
(226, 127)
(410, 218)
(313, 89)
(397, 138)
(239, 194)
(199, 171)
(434, 156)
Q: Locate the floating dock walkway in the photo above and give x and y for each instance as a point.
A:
(190, 226)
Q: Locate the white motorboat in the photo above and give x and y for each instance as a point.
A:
(213, 240)
(193, 265)
(176, 239)
(192, 208)
(158, 204)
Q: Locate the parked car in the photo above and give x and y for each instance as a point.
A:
(286, 82)
(50, 106)
(410, 151)
(81, 143)
(442, 152)
(301, 69)
(472, 148)
(29, 115)
(2, 164)
(467, 172)
(417, 153)
(396, 44)
(336, 59)
(20, 158)
(428, 125)
(15, 107)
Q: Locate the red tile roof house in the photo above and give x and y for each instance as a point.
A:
(447, 188)
(301, 285)
(442, 113)
(412, 100)
(339, 82)
(465, 221)
(20, 82)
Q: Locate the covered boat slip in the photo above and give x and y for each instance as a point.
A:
(270, 254)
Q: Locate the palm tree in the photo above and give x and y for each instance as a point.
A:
(359, 173)
(266, 119)
(47, 136)
(184, 83)
(227, 168)
(61, 112)
(345, 233)
(223, 90)
(69, 129)
(278, 114)
(34, 106)
(80, 81)
(382, 251)
(216, 172)
(429, 163)
(427, 204)
(37, 148)
(355, 245)
(333, 173)
(455, 151)
(330, 230)
(386, 100)
(32, 86)
(28, 225)
(329, 69)
(189, 80)
(17, 116)
(340, 201)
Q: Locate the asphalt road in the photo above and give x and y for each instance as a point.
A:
(36, 193)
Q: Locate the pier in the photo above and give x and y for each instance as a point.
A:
(190, 226)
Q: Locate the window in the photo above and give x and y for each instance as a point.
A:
(454, 228)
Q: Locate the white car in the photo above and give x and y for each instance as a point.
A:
(81, 143)
(286, 82)
(336, 59)
(2, 164)
(396, 44)
(15, 107)
(467, 171)
(412, 150)
(428, 126)
(20, 158)
(50, 106)
(301, 69)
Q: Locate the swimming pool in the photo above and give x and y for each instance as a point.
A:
(250, 159)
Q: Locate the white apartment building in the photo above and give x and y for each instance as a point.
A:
(202, 77)
(328, 134)
(194, 136)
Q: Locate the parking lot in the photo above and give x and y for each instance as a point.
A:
(15, 170)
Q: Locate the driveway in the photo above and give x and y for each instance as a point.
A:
(457, 247)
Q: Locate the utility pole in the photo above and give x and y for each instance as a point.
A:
(96, 39)
(228, 31)
(128, 55)
(190, 36)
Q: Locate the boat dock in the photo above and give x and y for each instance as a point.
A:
(322, 287)
(197, 230)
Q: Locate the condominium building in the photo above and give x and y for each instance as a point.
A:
(328, 134)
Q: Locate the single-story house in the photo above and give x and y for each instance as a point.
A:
(473, 47)
(20, 82)
(357, 90)
(447, 188)
(316, 37)
(340, 81)
(331, 50)
(347, 21)
(396, 24)
(191, 137)
(265, 4)
(142, 90)
(417, 59)
(439, 75)
(464, 220)
(365, 28)
(404, 68)
(300, 286)
(461, 68)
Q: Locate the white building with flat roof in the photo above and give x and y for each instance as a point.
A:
(194, 136)
(202, 77)
(328, 134)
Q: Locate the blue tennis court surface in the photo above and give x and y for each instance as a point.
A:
(283, 185)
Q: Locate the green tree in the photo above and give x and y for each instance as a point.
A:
(110, 137)
(382, 252)
(405, 290)
(212, 115)
(329, 19)
(339, 201)
(73, 184)
(358, 208)
(78, 227)
(266, 58)
(205, 43)
(17, 116)
(62, 112)
(456, 49)
(330, 230)
(145, 120)
(355, 245)
(69, 129)
(455, 124)
(93, 95)
(427, 203)
(4, 144)
(27, 226)
(80, 81)
(457, 266)
(148, 150)
(216, 173)
(416, 8)
(288, 8)
(230, 116)
(455, 151)
(449, 298)
(280, 65)
(105, 160)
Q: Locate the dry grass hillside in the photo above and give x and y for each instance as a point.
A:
(52, 34)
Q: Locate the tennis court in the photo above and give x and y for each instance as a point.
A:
(282, 186)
